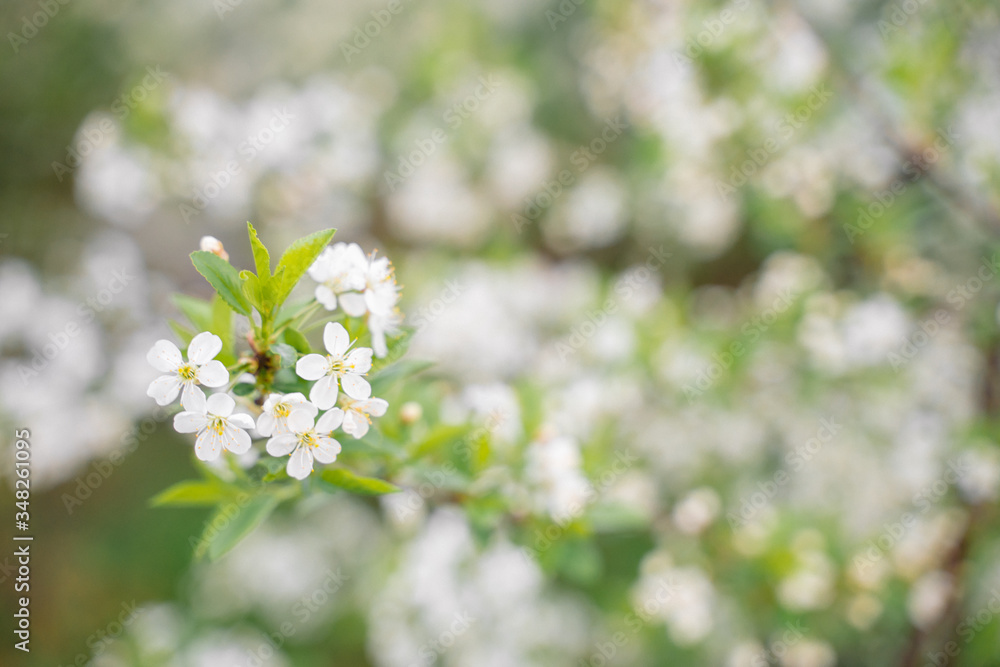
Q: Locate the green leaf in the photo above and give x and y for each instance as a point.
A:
(297, 341)
(223, 277)
(254, 292)
(297, 258)
(198, 311)
(349, 481)
(243, 388)
(193, 494)
(231, 522)
(439, 436)
(222, 326)
(261, 257)
(287, 354)
(183, 333)
(389, 375)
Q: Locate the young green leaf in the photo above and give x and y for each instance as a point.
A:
(198, 311)
(194, 494)
(297, 259)
(231, 522)
(349, 481)
(294, 338)
(222, 326)
(223, 277)
(255, 293)
(261, 257)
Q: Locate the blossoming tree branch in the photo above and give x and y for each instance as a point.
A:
(300, 396)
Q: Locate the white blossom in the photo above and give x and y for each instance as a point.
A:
(339, 365)
(340, 268)
(277, 407)
(358, 414)
(217, 427)
(307, 441)
(200, 368)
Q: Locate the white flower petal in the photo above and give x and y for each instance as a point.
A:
(311, 367)
(326, 297)
(335, 338)
(213, 374)
(360, 360)
(355, 424)
(241, 420)
(204, 347)
(208, 446)
(355, 386)
(189, 422)
(237, 440)
(299, 421)
(330, 420)
(193, 398)
(265, 424)
(164, 356)
(280, 445)
(376, 407)
(326, 450)
(300, 464)
(164, 389)
(353, 304)
(220, 404)
(324, 392)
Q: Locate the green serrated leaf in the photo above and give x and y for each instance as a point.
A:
(297, 259)
(231, 522)
(354, 483)
(198, 311)
(261, 257)
(194, 494)
(224, 278)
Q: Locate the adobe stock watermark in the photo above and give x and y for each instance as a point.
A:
(432, 310)
(92, 137)
(453, 118)
(750, 332)
(967, 629)
(430, 651)
(303, 610)
(604, 652)
(898, 15)
(362, 36)
(561, 13)
(912, 170)
(59, 340)
(100, 641)
(712, 29)
(47, 10)
(623, 462)
(784, 130)
(89, 482)
(581, 160)
(795, 461)
(923, 500)
(623, 290)
(248, 150)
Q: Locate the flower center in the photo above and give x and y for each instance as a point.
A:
(217, 425)
(187, 372)
(335, 365)
(308, 439)
(281, 410)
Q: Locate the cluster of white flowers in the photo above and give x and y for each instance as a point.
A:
(289, 421)
(361, 285)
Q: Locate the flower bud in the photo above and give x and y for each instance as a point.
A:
(410, 412)
(214, 246)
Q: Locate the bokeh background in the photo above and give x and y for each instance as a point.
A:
(715, 281)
